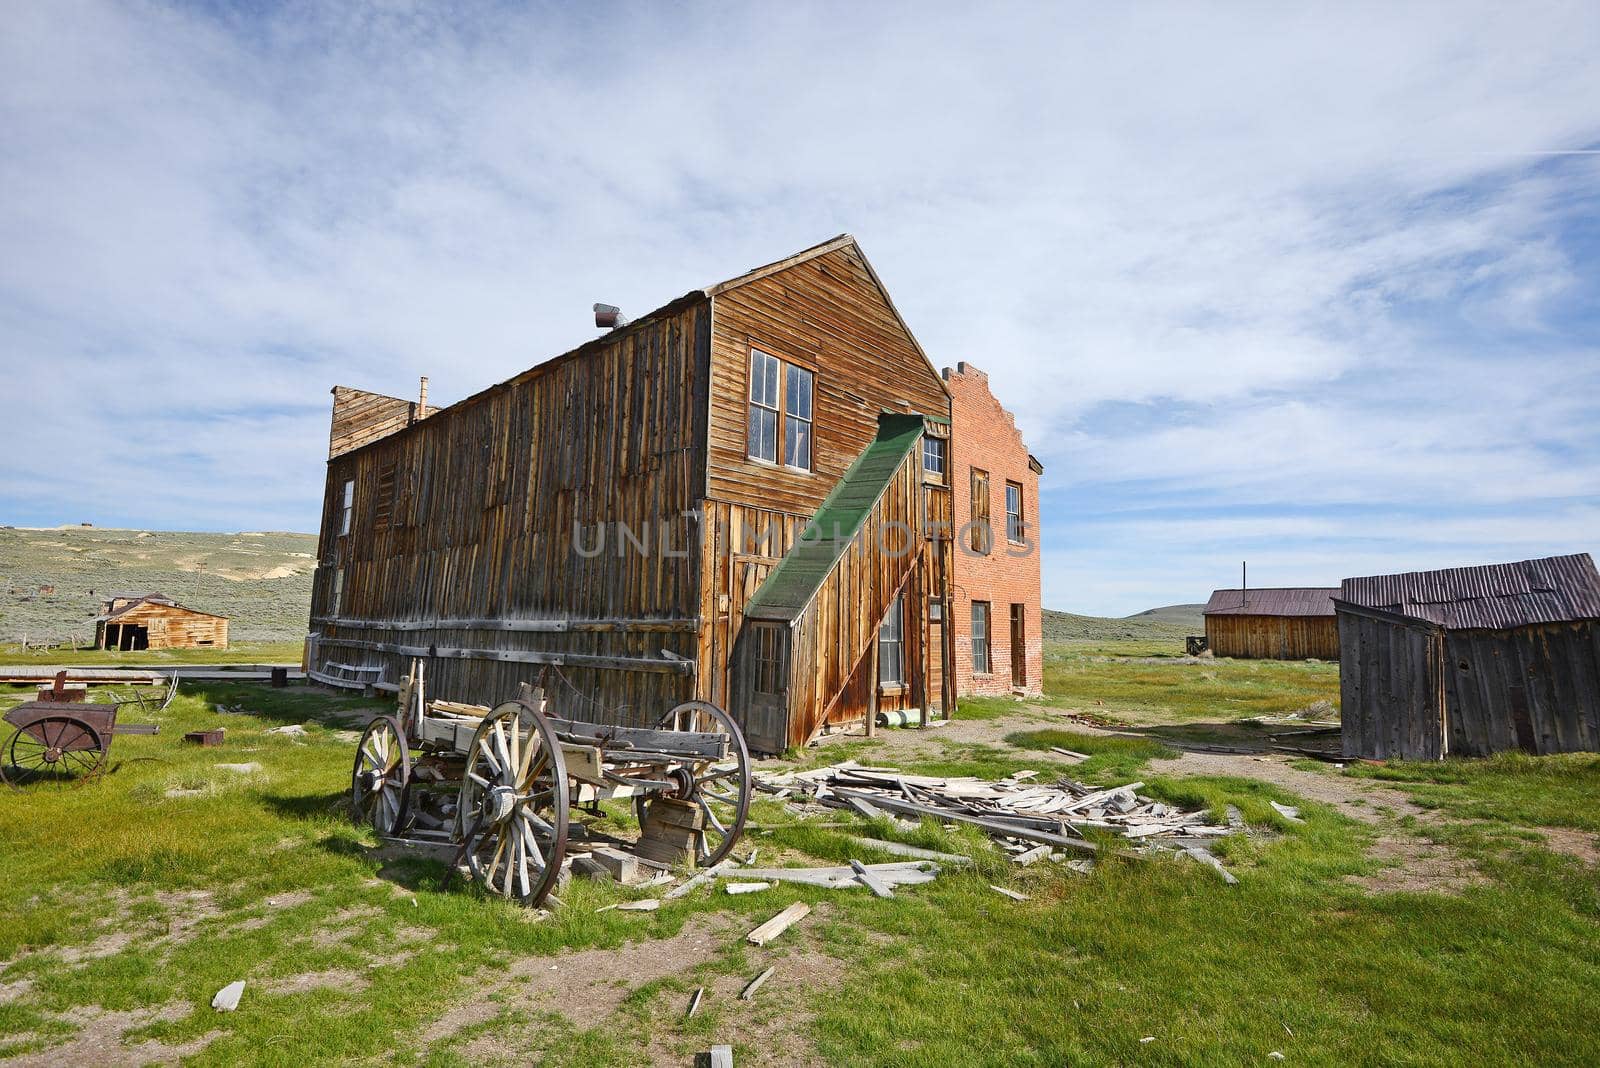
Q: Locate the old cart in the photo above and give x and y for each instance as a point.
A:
(502, 784)
(61, 741)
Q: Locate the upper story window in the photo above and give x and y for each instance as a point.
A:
(933, 450)
(1014, 528)
(349, 506)
(982, 535)
(781, 411)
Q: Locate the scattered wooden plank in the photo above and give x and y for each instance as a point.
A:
(694, 1002)
(745, 888)
(709, 875)
(753, 985)
(1205, 856)
(715, 1057)
(1028, 856)
(1012, 894)
(1288, 812)
(900, 849)
(878, 887)
(778, 924)
(648, 904)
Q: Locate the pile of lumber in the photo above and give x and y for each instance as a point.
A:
(1027, 816)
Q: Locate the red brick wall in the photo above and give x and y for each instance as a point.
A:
(983, 435)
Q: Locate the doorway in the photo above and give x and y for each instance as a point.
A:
(131, 637)
(1019, 645)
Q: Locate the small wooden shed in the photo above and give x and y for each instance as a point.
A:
(1472, 660)
(1288, 623)
(131, 621)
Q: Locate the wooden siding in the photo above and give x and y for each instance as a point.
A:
(463, 545)
(1391, 687)
(1534, 688)
(828, 316)
(1413, 690)
(360, 418)
(1273, 637)
(170, 627)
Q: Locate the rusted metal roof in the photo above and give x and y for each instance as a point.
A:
(1280, 601)
(1556, 589)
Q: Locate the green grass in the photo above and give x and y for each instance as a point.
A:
(1294, 958)
(1515, 788)
(1094, 679)
(279, 652)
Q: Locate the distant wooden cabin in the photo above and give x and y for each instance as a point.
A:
(725, 499)
(131, 621)
(1470, 661)
(1289, 623)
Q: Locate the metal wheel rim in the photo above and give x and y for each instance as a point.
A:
(28, 758)
(721, 791)
(382, 751)
(514, 805)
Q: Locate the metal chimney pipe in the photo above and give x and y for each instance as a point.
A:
(1244, 584)
(422, 402)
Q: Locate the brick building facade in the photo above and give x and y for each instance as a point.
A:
(995, 484)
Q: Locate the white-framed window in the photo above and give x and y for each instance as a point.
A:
(891, 645)
(769, 658)
(1014, 529)
(349, 506)
(782, 405)
(980, 637)
(933, 450)
(797, 418)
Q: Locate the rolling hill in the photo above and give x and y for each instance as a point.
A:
(1172, 622)
(51, 581)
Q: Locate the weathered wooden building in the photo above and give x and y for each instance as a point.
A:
(1473, 660)
(1288, 623)
(724, 499)
(129, 621)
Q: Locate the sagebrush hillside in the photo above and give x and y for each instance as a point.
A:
(1172, 622)
(260, 581)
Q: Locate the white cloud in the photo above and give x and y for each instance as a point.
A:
(1212, 257)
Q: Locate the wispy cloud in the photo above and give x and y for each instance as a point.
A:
(1313, 286)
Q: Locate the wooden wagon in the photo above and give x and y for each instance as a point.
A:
(61, 741)
(503, 784)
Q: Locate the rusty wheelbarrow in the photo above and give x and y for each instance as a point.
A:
(61, 741)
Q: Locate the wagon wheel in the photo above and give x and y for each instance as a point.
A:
(57, 747)
(381, 779)
(512, 816)
(720, 787)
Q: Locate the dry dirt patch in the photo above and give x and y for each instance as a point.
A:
(98, 1040)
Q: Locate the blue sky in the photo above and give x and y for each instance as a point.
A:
(1312, 289)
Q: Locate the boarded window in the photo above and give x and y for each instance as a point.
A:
(782, 401)
(337, 596)
(1014, 530)
(933, 458)
(982, 535)
(980, 637)
(349, 506)
(891, 645)
(383, 508)
(768, 640)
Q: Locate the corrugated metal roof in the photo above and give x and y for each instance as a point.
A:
(1555, 589)
(1282, 601)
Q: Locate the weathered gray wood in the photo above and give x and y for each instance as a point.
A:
(778, 924)
(699, 880)
(694, 1002)
(715, 1057)
(753, 985)
(996, 826)
(1012, 894)
(899, 849)
(878, 887)
(1205, 856)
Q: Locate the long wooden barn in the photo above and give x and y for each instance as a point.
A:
(1471, 661)
(726, 499)
(1285, 623)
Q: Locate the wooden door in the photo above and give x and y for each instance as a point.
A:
(935, 654)
(762, 679)
(1019, 645)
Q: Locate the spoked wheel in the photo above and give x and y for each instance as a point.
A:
(381, 778)
(56, 748)
(512, 819)
(721, 788)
